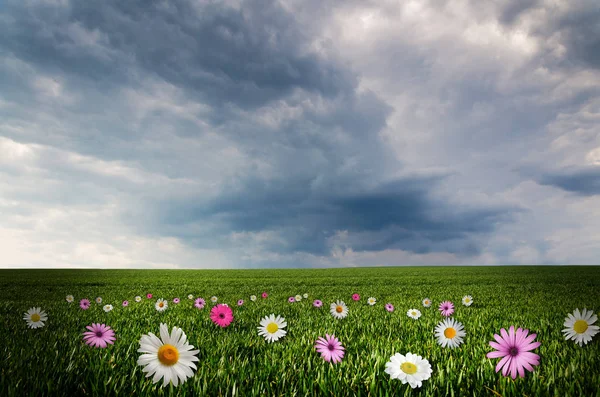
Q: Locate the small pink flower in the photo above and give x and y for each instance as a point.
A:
(99, 335)
(355, 297)
(330, 348)
(264, 295)
(84, 304)
(176, 300)
(317, 303)
(221, 315)
(125, 303)
(291, 299)
(389, 307)
(240, 302)
(515, 350)
(149, 296)
(446, 308)
(199, 303)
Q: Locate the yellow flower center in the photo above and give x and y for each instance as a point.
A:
(161, 304)
(449, 333)
(408, 368)
(272, 328)
(467, 300)
(426, 302)
(36, 317)
(339, 309)
(168, 355)
(414, 313)
(580, 326)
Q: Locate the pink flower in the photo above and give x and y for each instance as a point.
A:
(389, 307)
(99, 335)
(125, 303)
(515, 350)
(264, 295)
(149, 296)
(330, 348)
(240, 302)
(84, 304)
(176, 300)
(355, 297)
(291, 299)
(317, 303)
(199, 303)
(446, 308)
(221, 315)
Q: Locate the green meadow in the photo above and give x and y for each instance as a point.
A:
(54, 360)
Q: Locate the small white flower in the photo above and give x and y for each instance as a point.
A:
(70, 298)
(161, 305)
(426, 302)
(271, 328)
(411, 369)
(214, 299)
(305, 296)
(413, 313)
(35, 317)
(98, 300)
(450, 333)
(107, 308)
(253, 298)
(338, 309)
(371, 301)
(579, 326)
(190, 296)
(467, 300)
(138, 298)
(298, 298)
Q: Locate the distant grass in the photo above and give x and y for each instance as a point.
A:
(236, 361)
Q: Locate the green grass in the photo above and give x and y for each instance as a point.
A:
(53, 360)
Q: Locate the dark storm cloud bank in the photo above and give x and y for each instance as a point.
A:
(582, 181)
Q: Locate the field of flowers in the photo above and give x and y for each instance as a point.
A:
(255, 356)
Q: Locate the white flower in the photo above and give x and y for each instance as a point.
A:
(298, 298)
(190, 296)
(450, 333)
(108, 308)
(98, 300)
(70, 298)
(169, 357)
(138, 298)
(579, 326)
(305, 296)
(272, 328)
(161, 305)
(35, 317)
(214, 299)
(371, 301)
(411, 369)
(426, 302)
(338, 309)
(253, 298)
(414, 313)
(467, 300)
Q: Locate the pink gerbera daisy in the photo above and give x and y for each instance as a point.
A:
(221, 315)
(199, 303)
(176, 300)
(240, 302)
(317, 303)
(389, 307)
(291, 299)
(355, 297)
(84, 304)
(99, 335)
(125, 303)
(264, 295)
(330, 348)
(446, 308)
(515, 350)
(149, 296)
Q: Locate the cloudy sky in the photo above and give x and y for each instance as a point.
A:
(299, 133)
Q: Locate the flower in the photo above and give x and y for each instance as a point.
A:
(138, 298)
(169, 357)
(125, 303)
(271, 328)
(107, 308)
(190, 296)
(84, 304)
(199, 303)
(467, 300)
(221, 315)
(298, 298)
(305, 296)
(514, 348)
(426, 302)
(149, 296)
(355, 297)
(291, 299)
(330, 348)
(414, 314)
(371, 301)
(240, 302)
(411, 369)
(98, 300)
(176, 300)
(338, 310)
(253, 298)
(389, 307)
(35, 317)
(317, 303)
(214, 299)
(579, 326)
(264, 295)
(99, 335)
(446, 308)
(70, 298)
(450, 333)
(161, 305)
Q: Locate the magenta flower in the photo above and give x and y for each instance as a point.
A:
(264, 295)
(330, 348)
(355, 297)
(199, 303)
(221, 315)
(240, 302)
(99, 335)
(317, 303)
(291, 299)
(149, 296)
(176, 300)
(446, 308)
(389, 307)
(84, 304)
(514, 348)
(125, 303)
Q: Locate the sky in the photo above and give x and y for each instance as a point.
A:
(302, 133)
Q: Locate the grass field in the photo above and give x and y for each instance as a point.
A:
(235, 360)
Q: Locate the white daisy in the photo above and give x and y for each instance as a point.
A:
(298, 298)
(371, 301)
(138, 298)
(253, 298)
(305, 296)
(214, 299)
(411, 369)
(190, 296)
(579, 326)
(467, 300)
(161, 305)
(169, 357)
(35, 317)
(426, 302)
(272, 328)
(70, 298)
(98, 300)
(108, 308)
(338, 309)
(450, 333)
(413, 313)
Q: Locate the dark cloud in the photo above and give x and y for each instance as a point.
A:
(583, 181)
